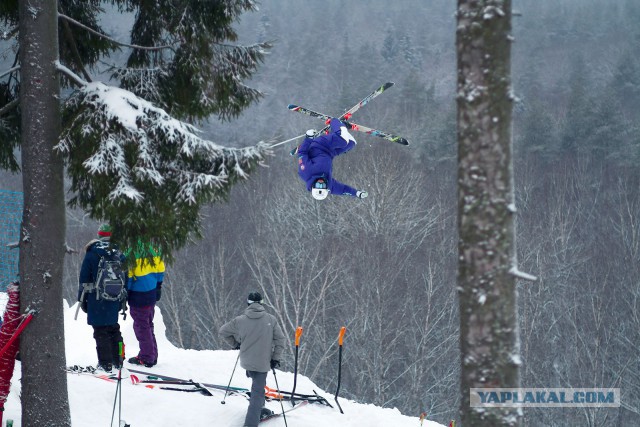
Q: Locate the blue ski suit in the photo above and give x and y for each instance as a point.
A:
(315, 159)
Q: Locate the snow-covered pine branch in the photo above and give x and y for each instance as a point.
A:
(70, 74)
(142, 81)
(9, 33)
(9, 71)
(132, 161)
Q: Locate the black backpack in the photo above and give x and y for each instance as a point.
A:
(111, 279)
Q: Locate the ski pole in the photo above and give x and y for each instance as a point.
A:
(118, 387)
(23, 324)
(121, 360)
(288, 140)
(340, 339)
(284, 416)
(229, 385)
(295, 368)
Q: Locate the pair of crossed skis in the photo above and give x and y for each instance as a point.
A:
(347, 115)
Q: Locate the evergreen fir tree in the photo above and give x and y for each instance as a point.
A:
(179, 64)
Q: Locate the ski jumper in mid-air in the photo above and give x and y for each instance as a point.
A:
(315, 161)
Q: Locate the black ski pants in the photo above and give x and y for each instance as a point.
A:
(108, 340)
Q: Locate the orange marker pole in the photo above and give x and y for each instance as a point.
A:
(340, 341)
(295, 369)
(423, 416)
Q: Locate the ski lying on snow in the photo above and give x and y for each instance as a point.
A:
(96, 373)
(195, 387)
(153, 378)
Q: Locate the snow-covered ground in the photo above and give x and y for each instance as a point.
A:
(92, 399)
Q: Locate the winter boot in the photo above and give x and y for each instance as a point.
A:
(104, 367)
(137, 361)
(265, 413)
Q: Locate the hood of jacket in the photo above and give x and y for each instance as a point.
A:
(254, 311)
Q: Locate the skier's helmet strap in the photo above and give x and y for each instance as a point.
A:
(320, 190)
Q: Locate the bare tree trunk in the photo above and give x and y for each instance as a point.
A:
(43, 223)
(486, 288)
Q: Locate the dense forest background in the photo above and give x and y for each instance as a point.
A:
(386, 267)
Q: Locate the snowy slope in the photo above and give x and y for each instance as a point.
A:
(92, 399)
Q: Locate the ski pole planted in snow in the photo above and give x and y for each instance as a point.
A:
(340, 339)
(118, 396)
(423, 416)
(295, 367)
(284, 416)
(229, 385)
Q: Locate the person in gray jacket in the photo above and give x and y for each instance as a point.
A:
(261, 342)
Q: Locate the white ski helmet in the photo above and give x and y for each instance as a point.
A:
(320, 190)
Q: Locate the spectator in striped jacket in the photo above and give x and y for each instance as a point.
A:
(145, 289)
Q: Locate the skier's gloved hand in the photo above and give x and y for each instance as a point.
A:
(275, 364)
(83, 306)
(362, 194)
(344, 133)
(158, 291)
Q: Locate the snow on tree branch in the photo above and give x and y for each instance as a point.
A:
(104, 36)
(123, 124)
(131, 161)
(522, 275)
(70, 74)
(8, 33)
(9, 71)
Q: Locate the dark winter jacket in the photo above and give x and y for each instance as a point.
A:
(145, 279)
(99, 312)
(259, 336)
(315, 159)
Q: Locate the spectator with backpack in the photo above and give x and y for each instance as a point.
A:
(102, 293)
(145, 289)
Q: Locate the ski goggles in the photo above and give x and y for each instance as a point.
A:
(320, 184)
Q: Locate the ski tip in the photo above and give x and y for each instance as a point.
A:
(292, 106)
(387, 85)
(403, 141)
